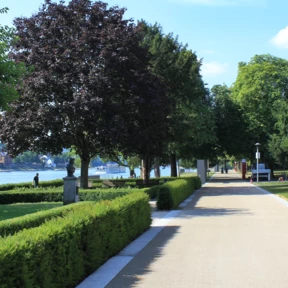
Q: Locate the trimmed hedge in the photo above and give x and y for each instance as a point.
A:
(172, 193)
(30, 197)
(40, 196)
(59, 182)
(63, 251)
(55, 183)
(14, 225)
(152, 191)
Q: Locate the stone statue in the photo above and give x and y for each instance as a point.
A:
(70, 167)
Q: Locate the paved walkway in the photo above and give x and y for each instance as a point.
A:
(231, 234)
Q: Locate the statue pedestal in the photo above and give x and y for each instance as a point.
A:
(70, 190)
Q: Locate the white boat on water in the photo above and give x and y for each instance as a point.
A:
(115, 168)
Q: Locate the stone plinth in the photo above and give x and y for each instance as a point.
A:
(201, 170)
(70, 190)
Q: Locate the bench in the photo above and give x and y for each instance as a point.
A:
(112, 184)
(108, 183)
(261, 175)
(118, 182)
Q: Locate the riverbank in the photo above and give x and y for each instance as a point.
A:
(24, 169)
(13, 176)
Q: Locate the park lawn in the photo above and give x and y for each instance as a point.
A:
(8, 211)
(188, 174)
(275, 187)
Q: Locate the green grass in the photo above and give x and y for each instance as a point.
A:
(275, 187)
(9, 211)
(188, 174)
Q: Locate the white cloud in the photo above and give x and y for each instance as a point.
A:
(281, 38)
(214, 68)
(222, 2)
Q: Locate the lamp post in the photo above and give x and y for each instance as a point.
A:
(257, 157)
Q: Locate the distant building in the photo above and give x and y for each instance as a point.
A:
(5, 159)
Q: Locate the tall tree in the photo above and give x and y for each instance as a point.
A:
(10, 72)
(88, 84)
(230, 128)
(180, 69)
(260, 84)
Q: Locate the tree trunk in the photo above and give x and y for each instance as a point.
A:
(157, 172)
(142, 169)
(173, 164)
(132, 173)
(145, 169)
(84, 172)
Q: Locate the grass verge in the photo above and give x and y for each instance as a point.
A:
(275, 187)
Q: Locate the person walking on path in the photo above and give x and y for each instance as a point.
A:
(36, 180)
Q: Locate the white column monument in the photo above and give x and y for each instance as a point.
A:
(202, 170)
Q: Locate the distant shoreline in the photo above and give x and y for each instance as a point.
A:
(30, 169)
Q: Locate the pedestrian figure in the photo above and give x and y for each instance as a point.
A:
(36, 180)
(226, 170)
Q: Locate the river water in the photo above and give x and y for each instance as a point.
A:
(27, 176)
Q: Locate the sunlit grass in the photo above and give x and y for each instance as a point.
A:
(275, 187)
(188, 174)
(8, 211)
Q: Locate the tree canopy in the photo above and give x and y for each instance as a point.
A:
(89, 86)
(191, 120)
(10, 72)
(261, 91)
(231, 131)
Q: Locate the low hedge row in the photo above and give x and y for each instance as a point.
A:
(152, 191)
(43, 196)
(63, 251)
(55, 183)
(59, 182)
(14, 225)
(172, 193)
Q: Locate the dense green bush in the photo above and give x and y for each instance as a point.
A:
(14, 225)
(172, 193)
(51, 196)
(197, 182)
(63, 251)
(164, 198)
(152, 191)
(52, 183)
(30, 197)
(97, 183)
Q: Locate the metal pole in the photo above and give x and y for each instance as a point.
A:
(257, 164)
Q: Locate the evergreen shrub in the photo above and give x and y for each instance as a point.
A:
(52, 183)
(51, 196)
(14, 225)
(63, 251)
(172, 193)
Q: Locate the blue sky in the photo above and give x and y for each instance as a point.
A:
(221, 32)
